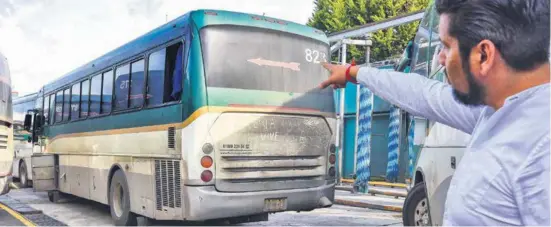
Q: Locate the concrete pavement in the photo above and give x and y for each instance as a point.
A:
(80, 212)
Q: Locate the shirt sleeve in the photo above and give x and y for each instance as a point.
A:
(420, 96)
(531, 186)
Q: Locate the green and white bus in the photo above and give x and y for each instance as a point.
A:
(213, 115)
(6, 126)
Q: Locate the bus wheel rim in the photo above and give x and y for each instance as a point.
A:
(421, 214)
(118, 199)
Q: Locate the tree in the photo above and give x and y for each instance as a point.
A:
(337, 15)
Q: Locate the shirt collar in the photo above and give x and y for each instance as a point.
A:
(525, 94)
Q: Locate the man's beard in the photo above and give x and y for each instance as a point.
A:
(475, 96)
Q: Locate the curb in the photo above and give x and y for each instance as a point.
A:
(367, 205)
(377, 183)
(379, 192)
(373, 192)
(17, 215)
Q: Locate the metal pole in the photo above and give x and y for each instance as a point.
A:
(340, 136)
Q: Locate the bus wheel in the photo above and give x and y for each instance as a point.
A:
(416, 209)
(119, 201)
(23, 179)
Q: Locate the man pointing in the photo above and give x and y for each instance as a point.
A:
(496, 57)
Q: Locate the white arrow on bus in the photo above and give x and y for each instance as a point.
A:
(288, 65)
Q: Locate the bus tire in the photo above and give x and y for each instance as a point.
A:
(23, 177)
(119, 201)
(416, 210)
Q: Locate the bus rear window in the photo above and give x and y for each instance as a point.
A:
(262, 59)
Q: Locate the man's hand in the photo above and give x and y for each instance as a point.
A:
(338, 75)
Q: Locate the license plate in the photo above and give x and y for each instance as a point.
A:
(272, 205)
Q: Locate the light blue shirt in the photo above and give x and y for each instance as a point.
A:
(503, 177)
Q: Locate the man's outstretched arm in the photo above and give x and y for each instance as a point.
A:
(413, 93)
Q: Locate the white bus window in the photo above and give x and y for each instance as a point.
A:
(107, 93)
(95, 95)
(137, 84)
(84, 98)
(121, 87)
(75, 101)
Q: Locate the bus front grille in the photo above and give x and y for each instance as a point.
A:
(167, 184)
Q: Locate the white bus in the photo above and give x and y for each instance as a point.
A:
(6, 126)
(441, 146)
(23, 148)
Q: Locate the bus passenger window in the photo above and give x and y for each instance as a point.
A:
(155, 78)
(174, 73)
(137, 84)
(85, 97)
(121, 87)
(107, 93)
(95, 96)
(46, 109)
(59, 106)
(66, 104)
(165, 75)
(75, 101)
(52, 108)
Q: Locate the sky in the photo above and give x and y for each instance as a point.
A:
(45, 39)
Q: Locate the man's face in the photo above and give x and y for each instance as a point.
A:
(465, 87)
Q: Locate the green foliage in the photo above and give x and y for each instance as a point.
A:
(337, 15)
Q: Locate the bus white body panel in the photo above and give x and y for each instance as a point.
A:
(6, 128)
(442, 152)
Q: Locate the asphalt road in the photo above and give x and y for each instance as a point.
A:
(80, 212)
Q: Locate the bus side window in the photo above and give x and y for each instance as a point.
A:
(107, 93)
(46, 109)
(164, 80)
(85, 97)
(95, 96)
(122, 77)
(52, 108)
(59, 106)
(75, 101)
(66, 104)
(137, 83)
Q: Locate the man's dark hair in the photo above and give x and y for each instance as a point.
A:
(518, 28)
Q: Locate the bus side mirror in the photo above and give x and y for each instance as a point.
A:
(27, 125)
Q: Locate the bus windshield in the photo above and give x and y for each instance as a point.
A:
(250, 58)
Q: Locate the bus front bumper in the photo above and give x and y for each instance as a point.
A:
(205, 203)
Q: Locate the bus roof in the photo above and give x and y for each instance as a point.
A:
(26, 98)
(174, 29)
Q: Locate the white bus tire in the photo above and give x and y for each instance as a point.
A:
(416, 211)
(119, 201)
